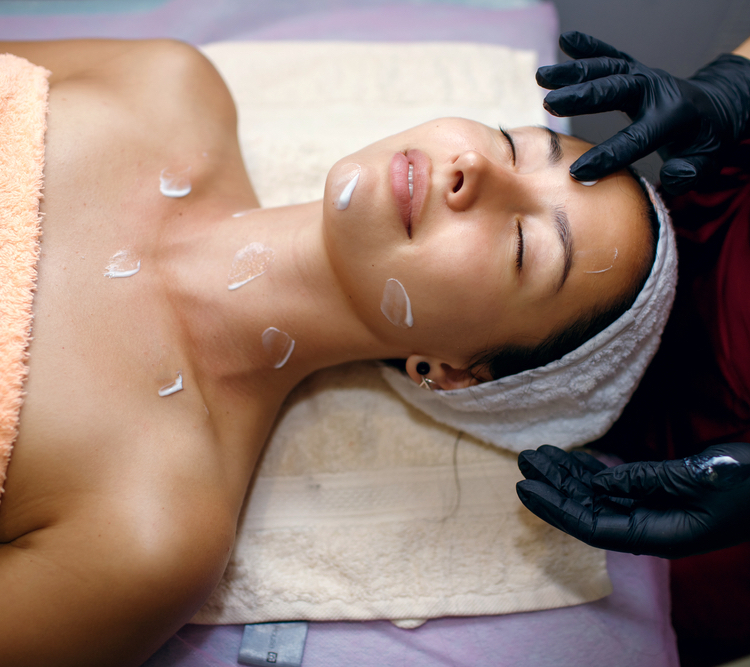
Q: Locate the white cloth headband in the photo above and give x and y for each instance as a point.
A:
(577, 398)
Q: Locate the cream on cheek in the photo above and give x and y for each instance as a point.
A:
(343, 182)
(396, 305)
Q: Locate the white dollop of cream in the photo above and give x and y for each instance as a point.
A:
(395, 304)
(344, 182)
(175, 183)
(249, 262)
(588, 184)
(721, 461)
(172, 388)
(123, 264)
(278, 345)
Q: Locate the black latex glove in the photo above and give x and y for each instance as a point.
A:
(691, 121)
(669, 509)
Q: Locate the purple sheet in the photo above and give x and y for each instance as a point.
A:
(199, 22)
(629, 627)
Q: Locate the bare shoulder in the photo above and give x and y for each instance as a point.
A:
(102, 589)
(143, 69)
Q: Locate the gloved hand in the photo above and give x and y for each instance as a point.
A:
(669, 509)
(691, 121)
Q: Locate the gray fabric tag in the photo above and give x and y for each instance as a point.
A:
(279, 644)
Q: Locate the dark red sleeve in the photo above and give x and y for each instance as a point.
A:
(697, 390)
(697, 393)
(714, 237)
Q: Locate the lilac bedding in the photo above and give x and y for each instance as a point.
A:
(629, 627)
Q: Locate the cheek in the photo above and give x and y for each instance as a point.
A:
(457, 288)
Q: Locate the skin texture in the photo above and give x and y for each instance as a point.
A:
(120, 506)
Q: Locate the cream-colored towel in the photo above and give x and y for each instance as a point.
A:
(364, 508)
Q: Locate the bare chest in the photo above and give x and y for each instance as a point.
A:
(106, 410)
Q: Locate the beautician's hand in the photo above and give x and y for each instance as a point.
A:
(669, 509)
(691, 121)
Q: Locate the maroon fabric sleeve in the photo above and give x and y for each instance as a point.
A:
(697, 393)
(697, 390)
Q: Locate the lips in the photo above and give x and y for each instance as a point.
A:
(410, 177)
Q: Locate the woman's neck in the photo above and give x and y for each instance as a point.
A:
(283, 289)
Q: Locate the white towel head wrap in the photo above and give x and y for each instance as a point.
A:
(577, 398)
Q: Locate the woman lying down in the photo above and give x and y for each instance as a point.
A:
(172, 316)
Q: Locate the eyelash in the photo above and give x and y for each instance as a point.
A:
(509, 139)
(519, 251)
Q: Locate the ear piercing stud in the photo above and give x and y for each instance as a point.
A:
(423, 368)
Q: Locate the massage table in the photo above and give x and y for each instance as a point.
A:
(630, 626)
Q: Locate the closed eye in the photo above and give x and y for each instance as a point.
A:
(512, 145)
(519, 249)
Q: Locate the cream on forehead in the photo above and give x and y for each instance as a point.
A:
(396, 305)
(596, 260)
(249, 262)
(588, 184)
(343, 183)
(278, 346)
(175, 183)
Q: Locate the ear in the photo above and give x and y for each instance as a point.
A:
(442, 373)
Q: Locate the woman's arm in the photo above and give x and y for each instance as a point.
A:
(105, 588)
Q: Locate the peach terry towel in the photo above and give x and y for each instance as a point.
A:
(23, 120)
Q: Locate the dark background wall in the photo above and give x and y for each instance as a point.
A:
(678, 36)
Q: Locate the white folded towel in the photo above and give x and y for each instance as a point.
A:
(365, 509)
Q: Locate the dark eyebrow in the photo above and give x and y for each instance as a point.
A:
(562, 226)
(555, 147)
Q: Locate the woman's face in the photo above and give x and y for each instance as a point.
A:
(496, 244)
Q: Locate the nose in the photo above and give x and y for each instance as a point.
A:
(468, 176)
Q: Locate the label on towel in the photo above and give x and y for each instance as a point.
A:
(279, 644)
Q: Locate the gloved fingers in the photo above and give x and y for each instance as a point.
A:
(578, 71)
(641, 531)
(667, 533)
(646, 480)
(556, 509)
(680, 174)
(580, 45)
(588, 462)
(628, 145)
(559, 470)
(617, 92)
